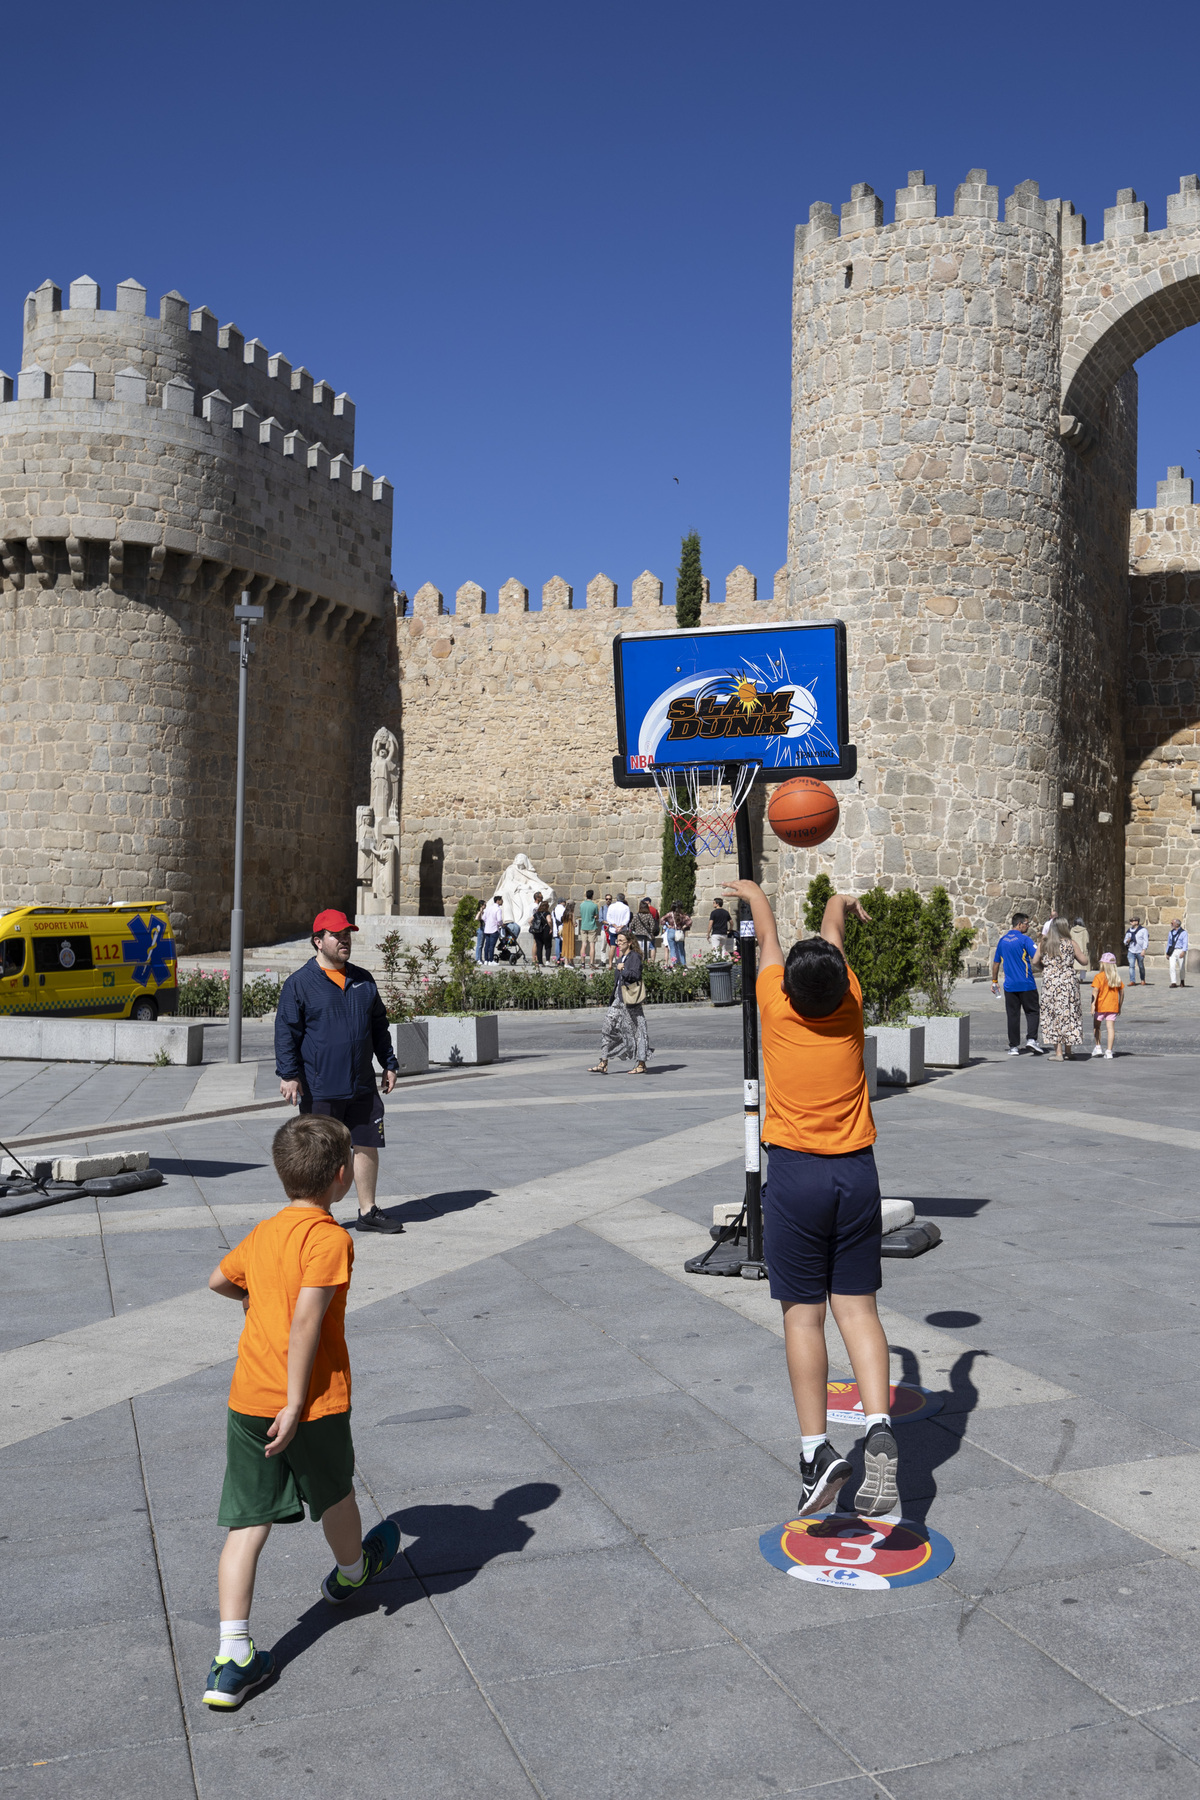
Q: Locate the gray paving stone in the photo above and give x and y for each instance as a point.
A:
(1005, 1537)
(86, 1689)
(523, 1618)
(146, 1267)
(1180, 1725)
(594, 1432)
(1075, 1434)
(83, 1577)
(683, 1494)
(1133, 1632)
(536, 1385)
(158, 1771)
(704, 1724)
(397, 1459)
(361, 1752)
(954, 1681)
(1114, 1759)
(49, 1286)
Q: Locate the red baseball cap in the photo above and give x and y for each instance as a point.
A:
(332, 920)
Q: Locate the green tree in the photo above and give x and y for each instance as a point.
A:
(883, 954)
(689, 588)
(678, 873)
(940, 950)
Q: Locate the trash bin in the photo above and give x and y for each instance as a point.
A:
(720, 983)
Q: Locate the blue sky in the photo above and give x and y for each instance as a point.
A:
(547, 248)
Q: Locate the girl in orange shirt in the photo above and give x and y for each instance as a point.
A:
(1107, 991)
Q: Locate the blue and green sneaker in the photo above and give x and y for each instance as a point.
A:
(380, 1547)
(229, 1682)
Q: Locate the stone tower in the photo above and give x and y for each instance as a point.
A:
(151, 469)
(963, 471)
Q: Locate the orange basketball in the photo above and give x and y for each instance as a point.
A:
(803, 812)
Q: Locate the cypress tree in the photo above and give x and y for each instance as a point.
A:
(678, 874)
(689, 589)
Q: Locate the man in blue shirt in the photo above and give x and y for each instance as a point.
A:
(1014, 954)
(329, 1026)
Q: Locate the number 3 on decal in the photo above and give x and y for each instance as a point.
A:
(857, 1554)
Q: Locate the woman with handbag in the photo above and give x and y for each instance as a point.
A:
(624, 1032)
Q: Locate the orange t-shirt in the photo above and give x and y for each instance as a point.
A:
(336, 975)
(302, 1246)
(1107, 999)
(816, 1085)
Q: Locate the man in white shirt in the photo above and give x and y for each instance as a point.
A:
(1137, 942)
(1177, 949)
(617, 918)
(493, 918)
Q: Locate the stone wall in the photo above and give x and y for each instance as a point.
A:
(1162, 756)
(136, 505)
(508, 735)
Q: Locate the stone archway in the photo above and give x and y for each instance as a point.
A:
(1122, 297)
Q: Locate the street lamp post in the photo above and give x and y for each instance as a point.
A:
(242, 616)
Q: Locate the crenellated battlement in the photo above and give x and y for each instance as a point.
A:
(182, 343)
(649, 606)
(976, 198)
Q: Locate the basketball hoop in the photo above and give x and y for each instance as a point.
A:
(702, 801)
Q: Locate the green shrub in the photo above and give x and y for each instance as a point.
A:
(882, 954)
(462, 931)
(941, 951)
(261, 996)
(203, 996)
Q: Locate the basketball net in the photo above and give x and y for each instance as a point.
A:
(702, 801)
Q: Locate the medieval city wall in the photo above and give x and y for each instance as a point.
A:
(136, 505)
(508, 738)
(1162, 768)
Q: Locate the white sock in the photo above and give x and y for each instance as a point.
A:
(235, 1639)
(878, 1419)
(810, 1445)
(352, 1572)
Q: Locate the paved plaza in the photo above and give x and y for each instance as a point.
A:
(581, 1444)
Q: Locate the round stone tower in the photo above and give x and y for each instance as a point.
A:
(937, 508)
(151, 470)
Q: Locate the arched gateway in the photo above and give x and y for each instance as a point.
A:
(963, 477)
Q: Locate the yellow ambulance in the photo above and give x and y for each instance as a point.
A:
(75, 962)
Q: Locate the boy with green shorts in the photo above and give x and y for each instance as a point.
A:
(288, 1428)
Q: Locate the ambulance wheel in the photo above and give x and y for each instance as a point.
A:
(145, 1009)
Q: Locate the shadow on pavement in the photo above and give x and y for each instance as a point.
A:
(454, 1542)
(191, 1165)
(966, 1206)
(927, 1444)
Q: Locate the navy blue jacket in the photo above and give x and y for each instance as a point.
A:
(325, 1035)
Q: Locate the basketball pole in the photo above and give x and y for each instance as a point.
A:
(753, 1268)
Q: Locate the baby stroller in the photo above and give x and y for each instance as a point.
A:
(508, 946)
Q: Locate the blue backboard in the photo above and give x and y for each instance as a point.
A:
(771, 694)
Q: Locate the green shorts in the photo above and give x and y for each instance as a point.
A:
(317, 1468)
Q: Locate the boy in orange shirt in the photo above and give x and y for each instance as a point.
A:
(822, 1224)
(288, 1427)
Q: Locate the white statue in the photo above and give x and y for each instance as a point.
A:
(364, 844)
(385, 780)
(383, 885)
(516, 888)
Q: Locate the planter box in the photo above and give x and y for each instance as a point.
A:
(871, 1065)
(410, 1041)
(463, 1038)
(100, 1040)
(947, 1038)
(901, 1053)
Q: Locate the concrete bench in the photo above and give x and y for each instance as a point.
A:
(100, 1040)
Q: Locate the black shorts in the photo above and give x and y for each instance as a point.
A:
(362, 1116)
(822, 1225)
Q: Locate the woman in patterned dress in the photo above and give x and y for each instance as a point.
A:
(1058, 957)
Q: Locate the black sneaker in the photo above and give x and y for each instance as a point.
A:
(879, 1493)
(822, 1478)
(380, 1548)
(377, 1221)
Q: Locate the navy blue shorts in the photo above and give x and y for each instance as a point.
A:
(822, 1225)
(362, 1116)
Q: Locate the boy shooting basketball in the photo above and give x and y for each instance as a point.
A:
(821, 1211)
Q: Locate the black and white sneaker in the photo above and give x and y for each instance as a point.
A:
(1032, 1044)
(822, 1480)
(879, 1492)
(377, 1221)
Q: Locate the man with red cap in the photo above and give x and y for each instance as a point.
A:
(329, 1022)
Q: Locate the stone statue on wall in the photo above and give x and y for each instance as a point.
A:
(385, 777)
(377, 830)
(516, 888)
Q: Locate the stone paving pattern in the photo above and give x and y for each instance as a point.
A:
(580, 1446)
